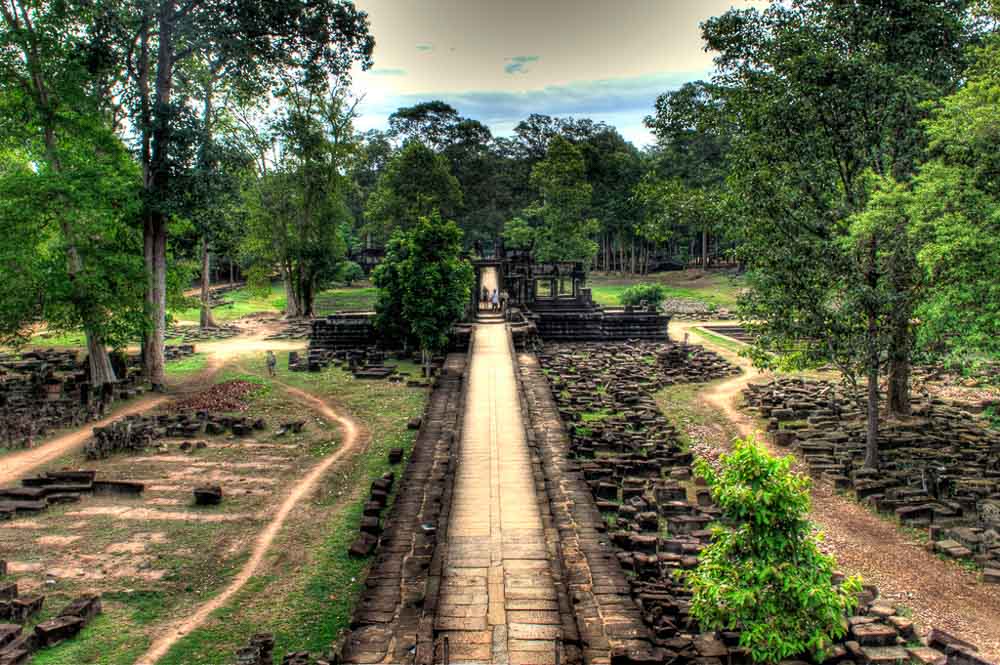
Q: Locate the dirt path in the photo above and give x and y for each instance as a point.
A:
(15, 466)
(940, 593)
(353, 441)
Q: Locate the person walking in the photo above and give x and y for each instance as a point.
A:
(496, 301)
(486, 297)
(272, 363)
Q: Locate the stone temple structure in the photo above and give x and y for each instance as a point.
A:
(549, 301)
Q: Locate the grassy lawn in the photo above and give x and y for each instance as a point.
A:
(718, 289)
(305, 589)
(243, 303)
(186, 366)
(347, 299)
(719, 340)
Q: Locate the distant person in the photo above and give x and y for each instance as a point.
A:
(272, 363)
(486, 297)
(496, 301)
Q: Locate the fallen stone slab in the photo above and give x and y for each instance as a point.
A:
(56, 630)
(84, 607)
(209, 495)
(8, 633)
(927, 656)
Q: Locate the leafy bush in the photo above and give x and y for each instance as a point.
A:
(350, 272)
(653, 294)
(764, 575)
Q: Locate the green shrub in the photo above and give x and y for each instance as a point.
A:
(652, 294)
(763, 574)
(350, 272)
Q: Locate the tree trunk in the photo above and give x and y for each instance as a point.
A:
(872, 358)
(232, 272)
(900, 344)
(704, 249)
(101, 371)
(155, 226)
(293, 309)
(207, 320)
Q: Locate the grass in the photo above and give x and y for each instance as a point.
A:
(713, 289)
(305, 589)
(73, 338)
(186, 366)
(358, 298)
(308, 604)
(681, 406)
(243, 303)
(724, 342)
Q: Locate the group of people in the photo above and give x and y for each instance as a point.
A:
(496, 301)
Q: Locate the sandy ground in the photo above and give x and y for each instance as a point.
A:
(940, 593)
(353, 440)
(17, 465)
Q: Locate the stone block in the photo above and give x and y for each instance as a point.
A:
(56, 630)
(209, 495)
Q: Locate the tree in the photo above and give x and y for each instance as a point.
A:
(821, 95)
(416, 184)
(956, 212)
(252, 40)
(564, 228)
(425, 280)
(763, 574)
(52, 60)
(432, 123)
(298, 209)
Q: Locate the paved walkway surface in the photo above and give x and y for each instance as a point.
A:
(498, 601)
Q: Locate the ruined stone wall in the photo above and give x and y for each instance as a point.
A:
(393, 620)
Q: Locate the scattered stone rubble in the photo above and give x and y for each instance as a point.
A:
(135, 433)
(37, 493)
(938, 470)
(614, 444)
(362, 363)
(46, 390)
(17, 644)
(685, 309)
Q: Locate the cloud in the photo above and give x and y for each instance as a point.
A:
(387, 71)
(519, 63)
(622, 102)
(425, 47)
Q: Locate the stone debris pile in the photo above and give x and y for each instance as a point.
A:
(37, 493)
(615, 445)
(136, 433)
(939, 469)
(46, 390)
(18, 644)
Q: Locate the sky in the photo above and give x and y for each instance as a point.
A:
(500, 61)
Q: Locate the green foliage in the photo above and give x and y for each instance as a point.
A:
(651, 294)
(349, 272)
(518, 234)
(424, 284)
(416, 183)
(564, 229)
(764, 575)
(298, 210)
(956, 212)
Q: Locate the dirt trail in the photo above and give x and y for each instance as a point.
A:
(352, 442)
(15, 466)
(940, 593)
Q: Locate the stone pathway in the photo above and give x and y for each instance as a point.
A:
(499, 602)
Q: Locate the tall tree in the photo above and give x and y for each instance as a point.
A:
(298, 210)
(252, 39)
(51, 60)
(564, 227)
(427, 281)
(822, 93)
(416, 183)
